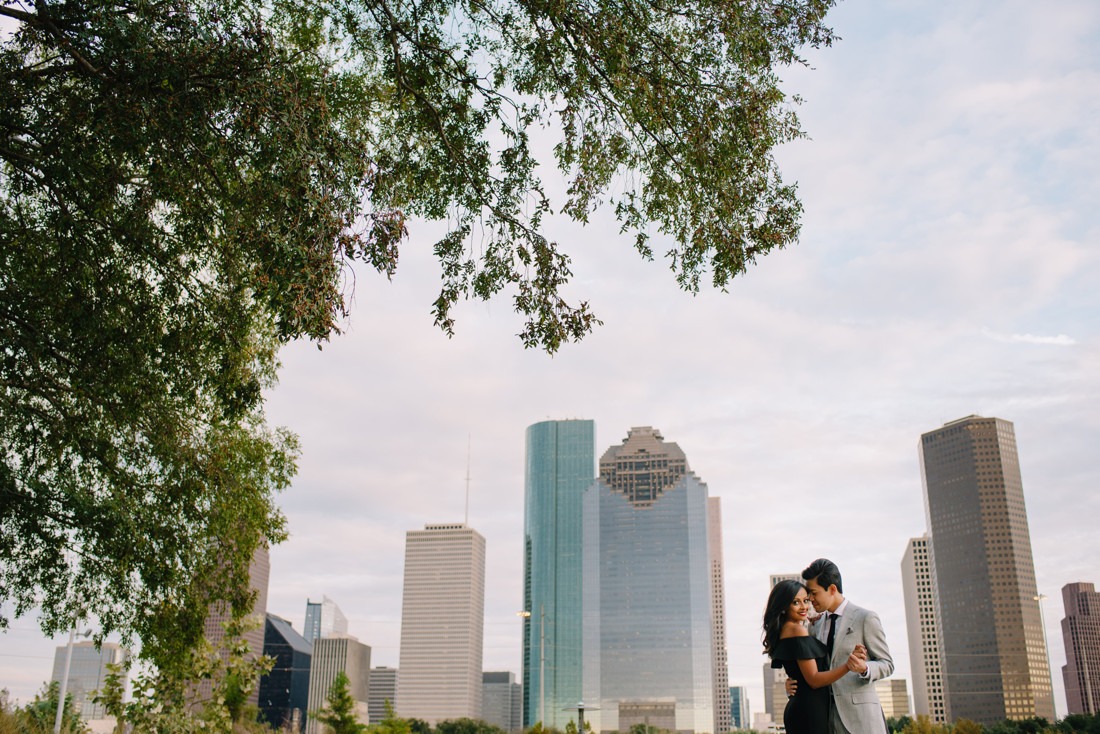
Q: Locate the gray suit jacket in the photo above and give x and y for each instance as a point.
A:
(856, 706)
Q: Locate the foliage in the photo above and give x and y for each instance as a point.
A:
(966, 726)
(183, 184)
(39, 716)
(339, 713)
(167, 700)
(923, 724)
(466, 726)
(897, 723)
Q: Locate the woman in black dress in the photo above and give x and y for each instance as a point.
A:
(788, 643)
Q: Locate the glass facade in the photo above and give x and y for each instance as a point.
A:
(648, 596)
(560, 465)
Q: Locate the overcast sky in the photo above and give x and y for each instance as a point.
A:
(948, 266)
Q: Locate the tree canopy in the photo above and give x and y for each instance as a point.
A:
(184, 184)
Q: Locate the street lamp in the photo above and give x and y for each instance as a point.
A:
(62, 690)
(526, 614)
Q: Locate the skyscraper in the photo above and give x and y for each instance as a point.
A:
(442, 624)
(723, 721)
(284, 690)
(502, 700)
(995, 663)
(259, 572)
(383, 690)
(1081, 634)
(87, 674)
(923, 628)
(560, 465)
(739, 707)
(650, 611)
(323, 619)
(331, 656)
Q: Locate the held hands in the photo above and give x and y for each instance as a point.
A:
(857, 661)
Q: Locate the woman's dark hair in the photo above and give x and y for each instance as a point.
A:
(826, 573)
(775, 614)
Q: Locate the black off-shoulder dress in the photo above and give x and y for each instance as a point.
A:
(808, 711)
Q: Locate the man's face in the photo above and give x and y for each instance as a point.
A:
(824, 600)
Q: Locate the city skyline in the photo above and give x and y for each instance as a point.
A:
(947, 266)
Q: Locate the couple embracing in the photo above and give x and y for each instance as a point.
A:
(833, 662)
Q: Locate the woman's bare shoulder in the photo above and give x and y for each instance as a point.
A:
(793, 629)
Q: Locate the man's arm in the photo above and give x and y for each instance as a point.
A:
(879, 663)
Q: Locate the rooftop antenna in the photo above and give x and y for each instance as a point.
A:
(468, 441)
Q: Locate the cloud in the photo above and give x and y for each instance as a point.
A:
(1062, 340)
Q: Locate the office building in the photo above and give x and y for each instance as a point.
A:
(284, 690)
(894, 696)
(1081, 635)
(921, 623)
(331, 656)
(994, 656)
(259, 571)
(775, 679)
(383, 692)
(739, 708)
(775, 692)
(722, 721)
(87, 674)
(502, 700)
(560, 466)
(651, 605)
(324, 619)
(442, 624)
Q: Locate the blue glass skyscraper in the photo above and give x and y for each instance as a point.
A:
(561, 460)
(650, 614)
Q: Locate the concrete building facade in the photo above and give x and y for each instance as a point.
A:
(331, 656)
(994, 655)
(1081, 635)
(442, 624)
(921, 622)
(383, 690)
(502, 700)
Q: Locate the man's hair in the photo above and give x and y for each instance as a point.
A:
(826, 573)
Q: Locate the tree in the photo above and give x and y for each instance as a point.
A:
(339, 712)
(184, 184)
(466, 726)
(966, 726)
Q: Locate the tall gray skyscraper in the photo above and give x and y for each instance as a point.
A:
(1081, 635)
(652, 611)
(922, 623)
(87, 674)
(442, 624)
(995, 662)
(560, 466)
(323, 619)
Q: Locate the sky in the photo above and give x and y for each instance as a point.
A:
(948, 266)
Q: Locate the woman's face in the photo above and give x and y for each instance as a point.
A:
(799, 610)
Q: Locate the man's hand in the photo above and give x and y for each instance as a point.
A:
(791, 685)
(857, 661)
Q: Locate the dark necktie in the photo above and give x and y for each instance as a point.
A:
(832, 633)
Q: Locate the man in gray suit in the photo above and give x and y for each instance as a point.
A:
(846, 630)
